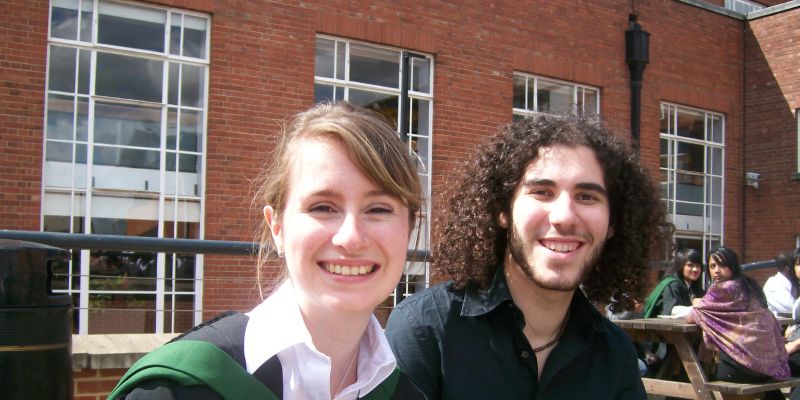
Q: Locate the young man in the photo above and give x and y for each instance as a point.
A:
(546, 207)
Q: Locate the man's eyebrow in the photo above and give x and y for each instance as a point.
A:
(591, 186)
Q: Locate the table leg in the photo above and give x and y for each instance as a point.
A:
(690, 363)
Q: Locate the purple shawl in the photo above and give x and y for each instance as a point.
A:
(746, 331)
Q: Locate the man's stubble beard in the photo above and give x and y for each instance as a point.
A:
(517, 250)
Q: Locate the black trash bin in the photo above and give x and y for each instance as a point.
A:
(35, 324)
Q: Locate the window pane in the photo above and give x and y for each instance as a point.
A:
(690, 157)
(175, 34)
(61, 76)
(717, 132)
(188, 162)
(420, 117)
(322, 93)
(174, 82)
(84, 71)
(690, 187)
(86, 20)
(188, 216)
(590, 98)
(341, 58)
(691, 124)
(131, 26)
(421, 81)
(64, 19)
(666, 185)
(715, 161)
(123, 157)
(121, 313)
(129, 77)
(191, 130)
(172, 128)
(715, 216)
(384, 104)
(690, 209)
(192, 85)
(129, 125)
(665, 116)
(374, 66)
(554, 97)
(519, 91)
(179, 314)
(324, 58)
(664, 153)
(60, 113)
(420, 146)
(126, 216)
(194, 36)
(58, 151)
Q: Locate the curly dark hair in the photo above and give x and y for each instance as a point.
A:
(471, 243)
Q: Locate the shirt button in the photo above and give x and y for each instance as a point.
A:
(524, 354)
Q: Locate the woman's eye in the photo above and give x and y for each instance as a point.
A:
(380, 210)
(321, 208)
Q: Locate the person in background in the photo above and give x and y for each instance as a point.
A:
(678, 288)
(552, 213)
(339, 200)
(783, 288)
(736, 322)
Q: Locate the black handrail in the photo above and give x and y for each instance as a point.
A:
(148, 244)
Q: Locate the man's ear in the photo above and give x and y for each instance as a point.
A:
(610, 232)
(502, 219)
(275, 227)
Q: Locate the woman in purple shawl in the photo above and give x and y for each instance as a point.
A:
(736, 321)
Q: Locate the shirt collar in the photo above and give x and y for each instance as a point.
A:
(479, 301)
(263, 340)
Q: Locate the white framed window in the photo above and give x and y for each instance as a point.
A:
(399, 85)
(692, 174)
(124, 154)
(534, 94)
(743, 6)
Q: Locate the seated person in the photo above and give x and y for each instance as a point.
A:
(679, 288)
(782, 288)
(735, 321)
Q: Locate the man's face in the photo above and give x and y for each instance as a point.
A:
(559, 217)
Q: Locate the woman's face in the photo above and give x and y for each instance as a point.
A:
(797, 268)
(719, 273)
(691, 271)
(344, 238)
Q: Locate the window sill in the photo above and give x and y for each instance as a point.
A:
(113, 351)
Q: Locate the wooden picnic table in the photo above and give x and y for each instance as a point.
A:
(684, 337)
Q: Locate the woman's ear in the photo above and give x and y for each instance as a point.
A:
(275, 227)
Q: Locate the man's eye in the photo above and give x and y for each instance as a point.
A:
(588, 197)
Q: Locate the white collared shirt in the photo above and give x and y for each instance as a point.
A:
(778, 290)
(276, 327)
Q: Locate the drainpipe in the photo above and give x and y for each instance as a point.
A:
(637, 56)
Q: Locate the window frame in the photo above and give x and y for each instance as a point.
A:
(709, 237)
(346, 82)
(170, 201)
(575, 86)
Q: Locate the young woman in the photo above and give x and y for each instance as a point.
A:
(677, 289)
(339, 199)
(734, 317)
(783, 288)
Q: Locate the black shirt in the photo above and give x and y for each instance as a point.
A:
(459, 344)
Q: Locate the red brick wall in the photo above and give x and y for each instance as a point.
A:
(772, 95)
(23, 39)
(262, 66)
(95, 384)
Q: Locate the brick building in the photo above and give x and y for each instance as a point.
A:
(150, 118)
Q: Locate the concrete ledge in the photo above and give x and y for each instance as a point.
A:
(113, 351)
